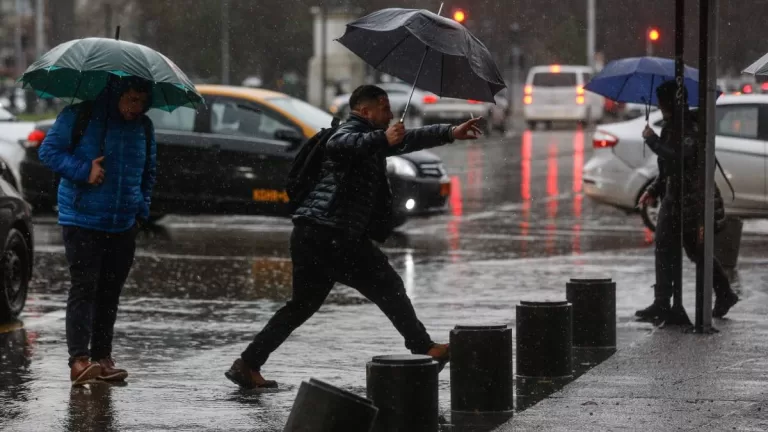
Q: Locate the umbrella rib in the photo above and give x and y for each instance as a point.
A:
(442, 68)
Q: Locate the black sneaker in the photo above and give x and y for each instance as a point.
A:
(722, 306)
(657, 310)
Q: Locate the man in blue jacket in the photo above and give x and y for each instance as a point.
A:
(104, 195)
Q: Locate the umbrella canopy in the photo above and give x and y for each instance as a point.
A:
(456, 64)
(77, 70)
(634, 80)
(760, 67)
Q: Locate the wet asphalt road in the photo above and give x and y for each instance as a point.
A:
(517, 229)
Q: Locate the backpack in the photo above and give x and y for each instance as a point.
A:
(306, 165)
(84, 117)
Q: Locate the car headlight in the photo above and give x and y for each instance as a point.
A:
(400, 166)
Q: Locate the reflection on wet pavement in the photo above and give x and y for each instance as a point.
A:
(517, 229)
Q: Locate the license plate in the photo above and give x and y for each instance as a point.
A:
(445, 189)
(270, 195)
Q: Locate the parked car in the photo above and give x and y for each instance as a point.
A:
(233, 156)
(556, 93)
(450, 110)
(16, 261)
(398, 93)
(621, 167)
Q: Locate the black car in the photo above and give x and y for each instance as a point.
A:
(233, 155)
(16, 234)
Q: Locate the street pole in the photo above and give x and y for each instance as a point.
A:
(591, 33)
(20, 58)
(108, 20)
(40, 28)
(225, 42)
(323, 55)
(677, 315)
(648, 43)
(708, 30)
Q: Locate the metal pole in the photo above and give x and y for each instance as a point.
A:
(591, 33)
(225, 42)
(708, 14)
(323, 55)
(678, 315)
(39, 28)
(107, 19)
(20, 57)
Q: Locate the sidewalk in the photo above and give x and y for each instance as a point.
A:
(671, 381)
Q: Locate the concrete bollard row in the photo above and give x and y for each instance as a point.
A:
(402, 390)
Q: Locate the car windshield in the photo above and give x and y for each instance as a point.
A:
(546, 79)
(311, 115)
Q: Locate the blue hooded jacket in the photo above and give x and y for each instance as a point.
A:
(125, 194)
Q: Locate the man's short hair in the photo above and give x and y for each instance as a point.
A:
(666, 93)
(365, 94)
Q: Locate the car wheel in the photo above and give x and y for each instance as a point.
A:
(650, 215)
(14, 280)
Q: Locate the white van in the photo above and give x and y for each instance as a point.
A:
(556, 92)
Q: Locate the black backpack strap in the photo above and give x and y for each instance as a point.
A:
(85, 109)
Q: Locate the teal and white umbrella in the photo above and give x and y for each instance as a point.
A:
(78, 70)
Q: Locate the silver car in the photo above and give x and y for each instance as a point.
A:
(622, 167)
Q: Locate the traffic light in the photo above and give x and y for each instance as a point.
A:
(652, 38)
(459, 16)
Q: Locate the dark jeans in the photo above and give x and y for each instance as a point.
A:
(321, 257)
(99, 263)
(668, 252)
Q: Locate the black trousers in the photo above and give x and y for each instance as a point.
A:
(99, 263)
(321, 257)
(668, 252)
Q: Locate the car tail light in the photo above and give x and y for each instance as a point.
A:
(764, 86)
(528, 99)
(747, 89)
(554, 68)
(528, 90)
(580, 100)
(580, 90)
(603, 140)
(474, 102)
(430, 99)
(34, 139)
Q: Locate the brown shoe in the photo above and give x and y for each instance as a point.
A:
(441, 353)
(83, 371)
(109, 372)
(243, 376)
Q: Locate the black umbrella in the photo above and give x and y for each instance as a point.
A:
(434, 53)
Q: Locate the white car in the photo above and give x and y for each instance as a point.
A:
(621, 166)
(556, 93)
(451, 110)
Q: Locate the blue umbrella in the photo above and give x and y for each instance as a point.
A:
(634, 80)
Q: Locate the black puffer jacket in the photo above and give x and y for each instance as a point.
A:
(353, 194)
(667, 183)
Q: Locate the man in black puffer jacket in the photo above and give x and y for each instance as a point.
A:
(350, 204)
(668, 182)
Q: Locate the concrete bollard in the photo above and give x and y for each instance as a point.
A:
(321, 407)
(594, 321)
(404, 389)
(544, 339)
(594, 312)
(482, 379)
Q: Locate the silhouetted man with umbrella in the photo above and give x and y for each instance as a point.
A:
(668, 182)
